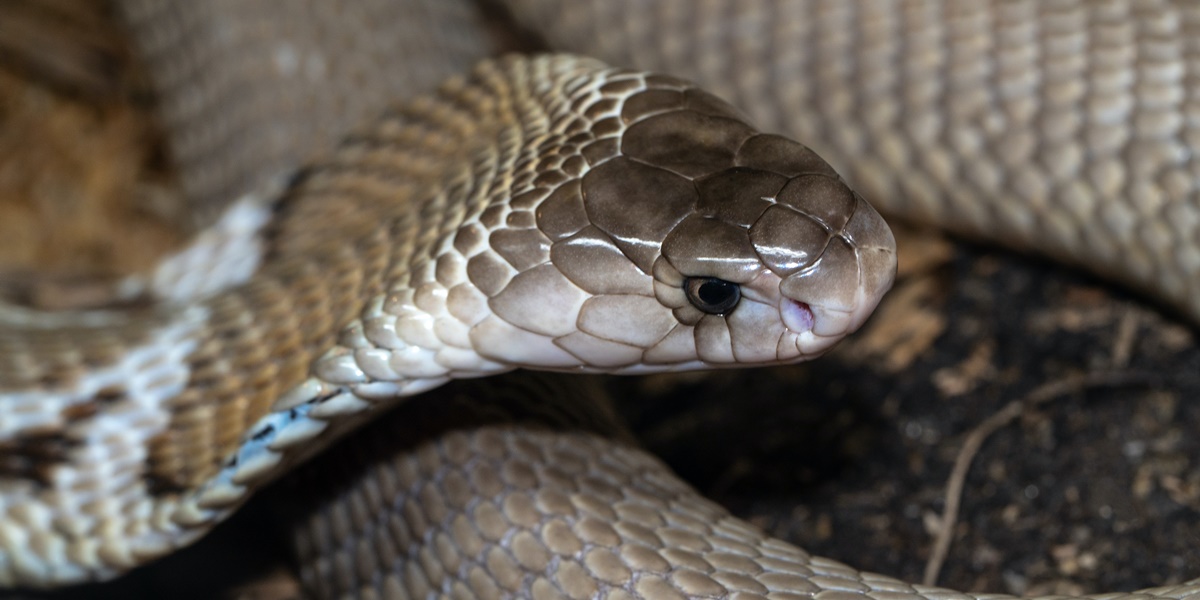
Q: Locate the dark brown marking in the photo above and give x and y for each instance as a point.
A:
(33, 456)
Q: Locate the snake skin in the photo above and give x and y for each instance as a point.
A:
(968, 113)
(538, 495)
(545, 212)
(1065, 127)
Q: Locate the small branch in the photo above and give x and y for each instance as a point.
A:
(975, 439)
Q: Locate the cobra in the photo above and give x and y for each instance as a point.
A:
(548, 212)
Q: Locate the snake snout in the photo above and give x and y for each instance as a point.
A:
(845, 282)
(834, 254)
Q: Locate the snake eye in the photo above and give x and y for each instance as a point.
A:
(711, 295)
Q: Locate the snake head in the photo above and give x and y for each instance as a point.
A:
(684, 239)
(780, 260)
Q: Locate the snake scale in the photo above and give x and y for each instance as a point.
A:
(555, 212)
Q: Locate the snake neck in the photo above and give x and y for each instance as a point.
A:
(186, 393)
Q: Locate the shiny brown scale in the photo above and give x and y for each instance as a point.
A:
(698, 195)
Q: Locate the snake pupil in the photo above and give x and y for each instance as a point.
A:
(711, 295)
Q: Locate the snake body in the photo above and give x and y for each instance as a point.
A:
(557, 213)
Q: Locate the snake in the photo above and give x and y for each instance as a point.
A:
(368, 234)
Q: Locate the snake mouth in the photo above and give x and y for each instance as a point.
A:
(837, 291)
(797, 316)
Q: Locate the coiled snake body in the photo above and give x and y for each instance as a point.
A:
(556, 213)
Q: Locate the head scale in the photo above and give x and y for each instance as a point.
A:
(689, 239)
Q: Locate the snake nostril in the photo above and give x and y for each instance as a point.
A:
(797, 316)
